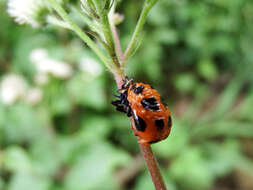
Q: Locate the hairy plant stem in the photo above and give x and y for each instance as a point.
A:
(144, 13)
(109, 39)
(110, 42)
(106, 34)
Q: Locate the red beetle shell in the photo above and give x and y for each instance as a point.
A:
(157, 118)
(151, 117)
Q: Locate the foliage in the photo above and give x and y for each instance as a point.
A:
(198, 54)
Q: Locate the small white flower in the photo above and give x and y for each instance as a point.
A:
(56, 68)
(27, 11)
(38, 55)
(91, 66)
(46, 65)
(12, 88)
(34, 96)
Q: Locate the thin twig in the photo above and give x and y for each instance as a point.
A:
(152, 167)
(147, 153)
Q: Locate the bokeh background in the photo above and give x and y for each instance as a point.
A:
(58, 130)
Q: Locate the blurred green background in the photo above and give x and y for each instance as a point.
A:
(58, 130)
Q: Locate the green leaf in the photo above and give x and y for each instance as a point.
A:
(222, 158)
(207, 69)
(94, 169)
(23, 124)
(56, 97)
(100, 125)
(243, 110)
(16, 160)
(228, 97)
(46, 156)
(122, 131)
(87, 91)
(185, 82)
(190, 170)
(233, 129)
(21, 181)
(166, 36)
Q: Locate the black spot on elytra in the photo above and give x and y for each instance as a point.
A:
(139, 123)
(139, 89)
(159, 124)
(169, 122)
(150, 103)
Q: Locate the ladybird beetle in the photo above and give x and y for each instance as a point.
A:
(151, 117)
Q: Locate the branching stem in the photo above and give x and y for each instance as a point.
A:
(84, 37)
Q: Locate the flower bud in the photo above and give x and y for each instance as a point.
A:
(117, 18)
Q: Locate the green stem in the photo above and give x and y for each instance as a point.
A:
(147, 6)
(109, 37)
(110, 40)
(107, 31)
(110, 65)
(103, 12)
